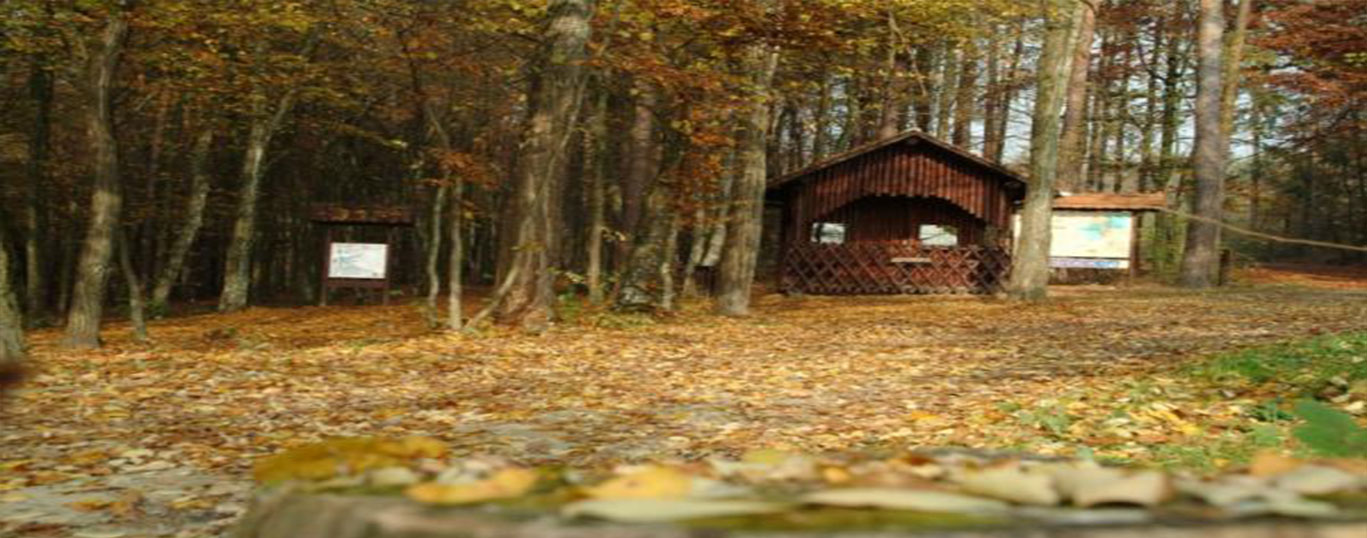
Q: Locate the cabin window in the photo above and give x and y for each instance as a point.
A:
(939, 235)
(828, 233)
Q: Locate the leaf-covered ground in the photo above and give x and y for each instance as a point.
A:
(1095, 369)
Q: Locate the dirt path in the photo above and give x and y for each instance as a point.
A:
(158, 440)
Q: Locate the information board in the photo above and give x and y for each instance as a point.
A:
(367, 261)
(1089, 239)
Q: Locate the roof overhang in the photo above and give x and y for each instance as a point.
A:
(1106, 201)
(1013, 179)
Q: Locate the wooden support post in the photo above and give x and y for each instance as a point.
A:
(1137, 221)
(325, 282)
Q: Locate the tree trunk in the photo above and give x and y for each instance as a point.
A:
(553, 102)
(1104, 114)
(189, 228)
(1148, 168)
(895, 88)
(1121, 181)
(147, 253)
(716, 240)
(1255, 192)
(1096, 143)
(35, 215)
(456, 264)
(948, 88)
(12, 350)
(923, 98)
(643, 285)
(1234, 55)
(237, 268)
(106, 200)
(1008, 96)
(796, 155)
(1201, 258)
(740, 256)
(1030, 270)
(440, 195)
(697, 248)
(432, 257)
(641, 166)
(992, 93)
(822, 117)
(965, 96)
(1175, 68)
(667, 261)
(66, 271)
(595, 156)
(137, 310)
(1071, 145)
(642, 289)
(850, 133)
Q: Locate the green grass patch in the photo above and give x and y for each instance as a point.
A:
(1230, 448)
(1299, 368)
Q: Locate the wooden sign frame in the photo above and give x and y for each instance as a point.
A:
(334, 217)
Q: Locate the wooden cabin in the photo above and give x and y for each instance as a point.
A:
(905, 215)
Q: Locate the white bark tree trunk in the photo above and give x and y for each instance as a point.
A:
(106, 200)
(1201, 257)
(525, 296)
(189, 227)
(740, 256)
(1030, 269)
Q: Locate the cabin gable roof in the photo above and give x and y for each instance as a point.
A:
(909, 138)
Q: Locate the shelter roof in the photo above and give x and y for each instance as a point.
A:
(907, 138)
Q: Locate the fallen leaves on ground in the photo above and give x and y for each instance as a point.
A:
(1090, 370)
(1319, 276)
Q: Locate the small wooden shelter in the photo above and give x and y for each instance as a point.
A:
(908, 214)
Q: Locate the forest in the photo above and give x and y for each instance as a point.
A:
(605, 148)
(580, 193)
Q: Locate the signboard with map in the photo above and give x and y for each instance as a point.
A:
(1090, 239)
(1091, 234)
(367, 261)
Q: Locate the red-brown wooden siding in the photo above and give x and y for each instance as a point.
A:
(898, 170)
(884, 218)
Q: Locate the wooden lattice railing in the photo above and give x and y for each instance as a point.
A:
(902, 267)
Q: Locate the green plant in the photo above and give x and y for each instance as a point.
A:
(1270, 411)
(1330, 432)
(1230, 448)
(1300, 367)
(1051, 418)
(569, 306)
(624, 320)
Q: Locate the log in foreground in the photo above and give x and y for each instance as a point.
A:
(341, 516)
(411, 488)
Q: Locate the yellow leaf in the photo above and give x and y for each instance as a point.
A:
(417, 447)
(90, 505)
(650, 483)
(1272, 464)
(836, 475)
(336, 457)
(769, 456)
(504, 484)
